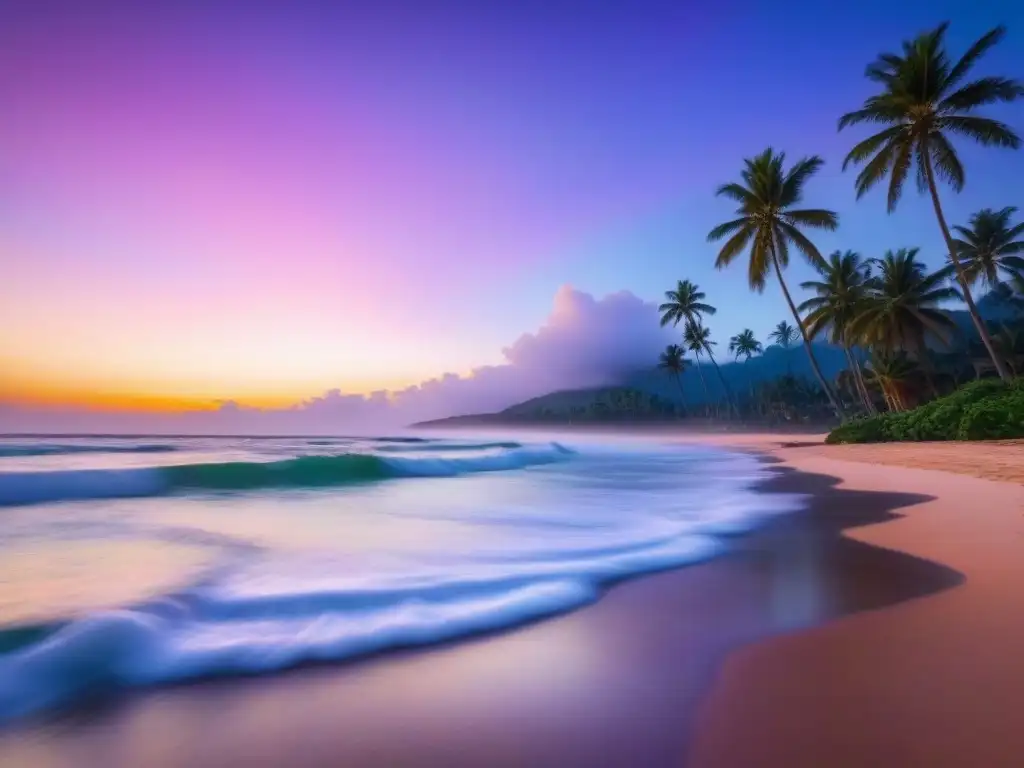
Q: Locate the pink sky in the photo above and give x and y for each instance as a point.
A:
(240, 216)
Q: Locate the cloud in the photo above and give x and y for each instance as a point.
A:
(584, 342)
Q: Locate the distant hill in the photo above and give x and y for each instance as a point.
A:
(739, 376)
(592, 405)
(651, 394)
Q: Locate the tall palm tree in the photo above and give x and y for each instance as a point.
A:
(988, 247)
(769, 222)
(684, 304)
(695, 337)
(785, 335)
(673, 361)
(902, 308)
(698, 336)
(745, 344)
(923, 101)
(840, 296)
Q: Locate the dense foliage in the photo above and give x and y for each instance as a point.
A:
(888, 313)
(982, 410)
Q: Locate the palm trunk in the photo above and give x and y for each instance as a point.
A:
(890, 401)
(704, 383)
(858, 383)
(836, 407)
(859, 372)
(979, 324)
(682, 393)
(849, 367)
(725, 387)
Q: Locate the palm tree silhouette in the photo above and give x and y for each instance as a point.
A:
(923, 101)
(673, 361)
(746, 344)
(769, 223)
(988, 247)
(841, 295)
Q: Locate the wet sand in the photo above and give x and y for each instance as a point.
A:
(932, 682)
(685, 666)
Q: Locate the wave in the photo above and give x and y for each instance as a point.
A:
(301, 472)
(53, 449)
(227, 629)
(445, 447)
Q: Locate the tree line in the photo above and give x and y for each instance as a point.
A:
(889, 305)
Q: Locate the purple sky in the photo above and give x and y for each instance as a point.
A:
(261, 202)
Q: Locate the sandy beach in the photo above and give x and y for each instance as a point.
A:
(879, 626)
(935, 681)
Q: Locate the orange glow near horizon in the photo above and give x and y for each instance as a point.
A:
(35, 387)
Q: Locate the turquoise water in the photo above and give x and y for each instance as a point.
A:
(151, 560)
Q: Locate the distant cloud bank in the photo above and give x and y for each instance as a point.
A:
(584, 342)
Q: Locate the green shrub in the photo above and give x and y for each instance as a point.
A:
(982, 410)
(998, 418)
(867, 430)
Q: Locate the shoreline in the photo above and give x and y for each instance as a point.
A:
(936, 681)
(623, 681)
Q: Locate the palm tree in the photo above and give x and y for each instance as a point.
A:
(923, 102)
(770, 223)
(673, 361)
(901, 309)
(695, 337)
(840, 296)
(744, 343)
(684, 304)
(785, 335)
(989, 246)
(891, 371)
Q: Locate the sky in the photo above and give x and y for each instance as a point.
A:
(255, 207)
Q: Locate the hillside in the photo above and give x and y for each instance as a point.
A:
(650, 394)
(592, 405)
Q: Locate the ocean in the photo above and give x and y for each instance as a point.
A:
(128, 562)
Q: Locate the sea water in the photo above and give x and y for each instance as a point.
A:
(139, 561)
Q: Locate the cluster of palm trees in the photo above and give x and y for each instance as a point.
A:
(686, 305)
(889, 304)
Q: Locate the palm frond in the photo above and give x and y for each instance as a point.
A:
(736, 192)
(724, 229)
(877, 168)
(871, 144)
(733, 247)
(978, 49)
(898, 174)
(805, 246)
(794, 181)
(985, 131)
(947, 163)
(869, 114)
(980, 93)
(817, 218)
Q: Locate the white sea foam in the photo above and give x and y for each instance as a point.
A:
(542, 542)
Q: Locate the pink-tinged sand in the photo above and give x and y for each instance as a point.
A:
(935, 681)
